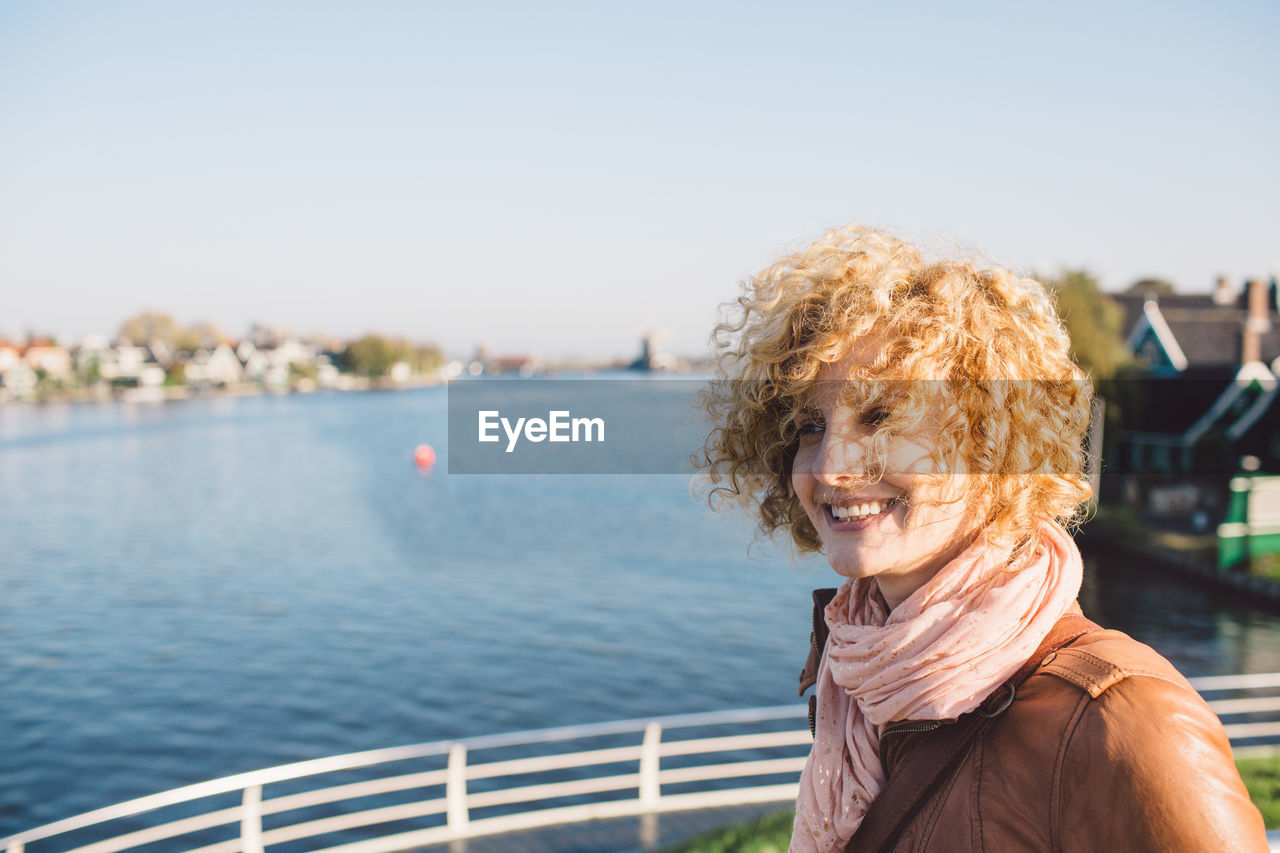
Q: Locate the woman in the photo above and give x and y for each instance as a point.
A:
(922, 424)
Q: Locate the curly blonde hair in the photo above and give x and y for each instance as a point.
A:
(1015, 408)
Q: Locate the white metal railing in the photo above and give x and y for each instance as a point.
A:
(727, 762)
(1250, 718)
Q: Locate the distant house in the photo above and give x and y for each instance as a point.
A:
(123, 363)
(9, 356)
(291, 351)
(88, 353)
(218, 366)
(17, 380)
(1173, 332)
(525, 365)
(161, 354)
(1211, 383)
(254, 362)
(54, 360)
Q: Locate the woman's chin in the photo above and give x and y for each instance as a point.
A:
(855, 568)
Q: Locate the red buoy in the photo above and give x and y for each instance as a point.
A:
(424, 456)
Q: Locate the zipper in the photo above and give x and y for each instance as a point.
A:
(907, 727)
(813, 699)
(911, 726)
(813, 637)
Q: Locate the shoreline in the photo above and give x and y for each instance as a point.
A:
(1260, 591)
(178, 393)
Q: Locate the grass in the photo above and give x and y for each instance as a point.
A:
(768, 834)
(1266, 566)
(772, 833)
(1262, 778)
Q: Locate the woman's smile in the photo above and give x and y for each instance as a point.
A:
(859, 515)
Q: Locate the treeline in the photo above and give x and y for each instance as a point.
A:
(372, 356)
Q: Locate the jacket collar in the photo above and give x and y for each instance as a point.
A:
(817, 638)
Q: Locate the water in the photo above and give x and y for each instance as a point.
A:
(206, 587)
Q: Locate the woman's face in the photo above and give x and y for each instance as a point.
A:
(899, 529)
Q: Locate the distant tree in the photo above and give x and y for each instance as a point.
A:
(91, 372)
(299, 370)
(1158, 286)
(426, 358)
(1094, 321)
(204, 335)
(142, 329)
(176, 374)
(373, 355)
(187, 341)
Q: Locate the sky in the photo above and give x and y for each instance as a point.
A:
(559, 178)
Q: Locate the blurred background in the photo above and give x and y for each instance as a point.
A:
(244, 247)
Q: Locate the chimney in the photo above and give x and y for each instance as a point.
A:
(1258, 323)
(1222, 293)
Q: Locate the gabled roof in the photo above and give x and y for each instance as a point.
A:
(1202, 331)
(1152, 319)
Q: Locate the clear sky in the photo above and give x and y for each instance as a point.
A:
(558, 178)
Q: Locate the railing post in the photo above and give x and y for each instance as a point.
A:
(15, 847)
(455, 789)
(649, 790)
(251, 820)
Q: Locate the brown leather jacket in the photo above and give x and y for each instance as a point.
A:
(1106, 748)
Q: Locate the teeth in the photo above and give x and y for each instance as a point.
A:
(859, 510)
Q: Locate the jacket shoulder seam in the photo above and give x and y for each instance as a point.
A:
(1093, 674)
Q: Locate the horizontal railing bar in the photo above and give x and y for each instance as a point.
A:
(556, 761)
(569, 814)
(731, 771)
(352, 790)
(1244, 706)
(674, 721)
(1241, 730)
(1236, 682)
(163, 831)
(232, 846)
(549, 817)
(730, 797)
(493, 826)
(552, 790)
(227, 784)
(726, 743)
(353, 820)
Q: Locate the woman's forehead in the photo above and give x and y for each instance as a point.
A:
(854, 390)
(861, 354)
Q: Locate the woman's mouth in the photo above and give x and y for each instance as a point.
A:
(860, 515)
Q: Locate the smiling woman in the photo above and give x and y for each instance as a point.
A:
(922, 424)
(859, 502)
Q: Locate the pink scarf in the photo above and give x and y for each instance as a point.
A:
(935, 657)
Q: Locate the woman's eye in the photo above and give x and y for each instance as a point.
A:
(875, 417)
(811, 427)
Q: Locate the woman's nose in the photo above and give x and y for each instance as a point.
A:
(842, 457)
